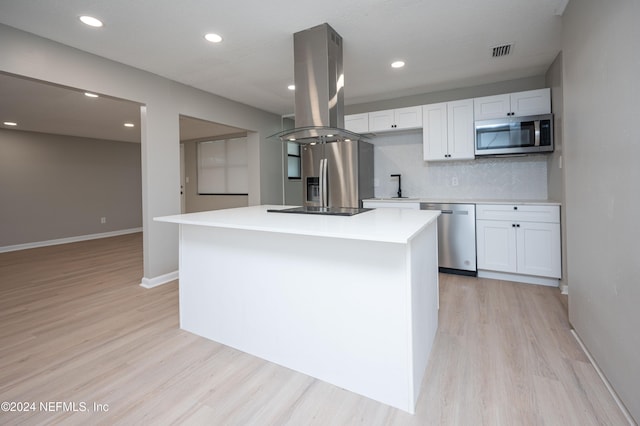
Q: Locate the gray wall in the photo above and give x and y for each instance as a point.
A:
(555, 170)
(601, 63)
(508, 86)
(164, 101)
(56, 187)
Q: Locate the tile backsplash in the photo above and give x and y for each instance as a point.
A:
(507, 178)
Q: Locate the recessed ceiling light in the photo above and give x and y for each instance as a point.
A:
(213, 38)
(291, 87)
(90, 95)
(91, 21)
(129, 125)
(397, 64)
(10, 123)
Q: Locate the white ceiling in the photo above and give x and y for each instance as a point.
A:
(46, 108)
(445, 44)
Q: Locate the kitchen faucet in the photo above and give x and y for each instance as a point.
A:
(399, 184)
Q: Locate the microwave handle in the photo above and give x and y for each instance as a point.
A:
(536, 125)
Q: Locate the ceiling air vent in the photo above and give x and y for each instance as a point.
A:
(502, 50)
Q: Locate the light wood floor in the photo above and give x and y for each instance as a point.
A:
(77, 328)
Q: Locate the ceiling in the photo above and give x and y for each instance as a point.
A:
(445, 45)
(48, 108)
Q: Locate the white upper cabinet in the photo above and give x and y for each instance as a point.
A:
(357, 123)
(448, 131)
(490, 107)
(461, 130)
(408, 118)
(530, 102)
(381, 120)
(434, 132)
(395, 119)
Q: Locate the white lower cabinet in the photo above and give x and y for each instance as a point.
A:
(496, 244)
(519, 239)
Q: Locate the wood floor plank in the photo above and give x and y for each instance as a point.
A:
(78, 328)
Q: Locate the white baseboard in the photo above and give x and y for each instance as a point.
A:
(55, 242)
(564, 289)
(162, 279)
(604, 380)
(526, 279)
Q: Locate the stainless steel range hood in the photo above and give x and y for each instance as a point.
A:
(319, 94)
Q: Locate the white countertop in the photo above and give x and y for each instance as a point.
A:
(464, 201)
(383, 225)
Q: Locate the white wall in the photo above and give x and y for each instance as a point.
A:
(601, 59)
(31, 56)
(522, 178)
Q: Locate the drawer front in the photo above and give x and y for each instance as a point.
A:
(518, 212)
(390, 204)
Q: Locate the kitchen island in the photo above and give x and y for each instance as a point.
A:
(352, 301)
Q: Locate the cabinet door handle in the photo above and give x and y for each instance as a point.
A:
(515, 207)
(513, 225)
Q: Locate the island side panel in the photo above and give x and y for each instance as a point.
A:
(424, 300)
(335, 309)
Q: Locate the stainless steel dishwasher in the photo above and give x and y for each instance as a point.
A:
(456, 237)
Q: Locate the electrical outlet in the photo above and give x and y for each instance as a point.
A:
(454, 181)
(103, 220)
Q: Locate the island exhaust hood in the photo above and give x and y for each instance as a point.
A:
(319, 81)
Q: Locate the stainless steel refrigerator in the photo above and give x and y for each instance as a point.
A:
(341, 173)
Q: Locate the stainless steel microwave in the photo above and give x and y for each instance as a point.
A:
(515, 135)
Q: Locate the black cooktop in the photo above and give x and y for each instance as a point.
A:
(330, 211)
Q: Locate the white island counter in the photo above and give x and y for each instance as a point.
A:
(350, 300)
